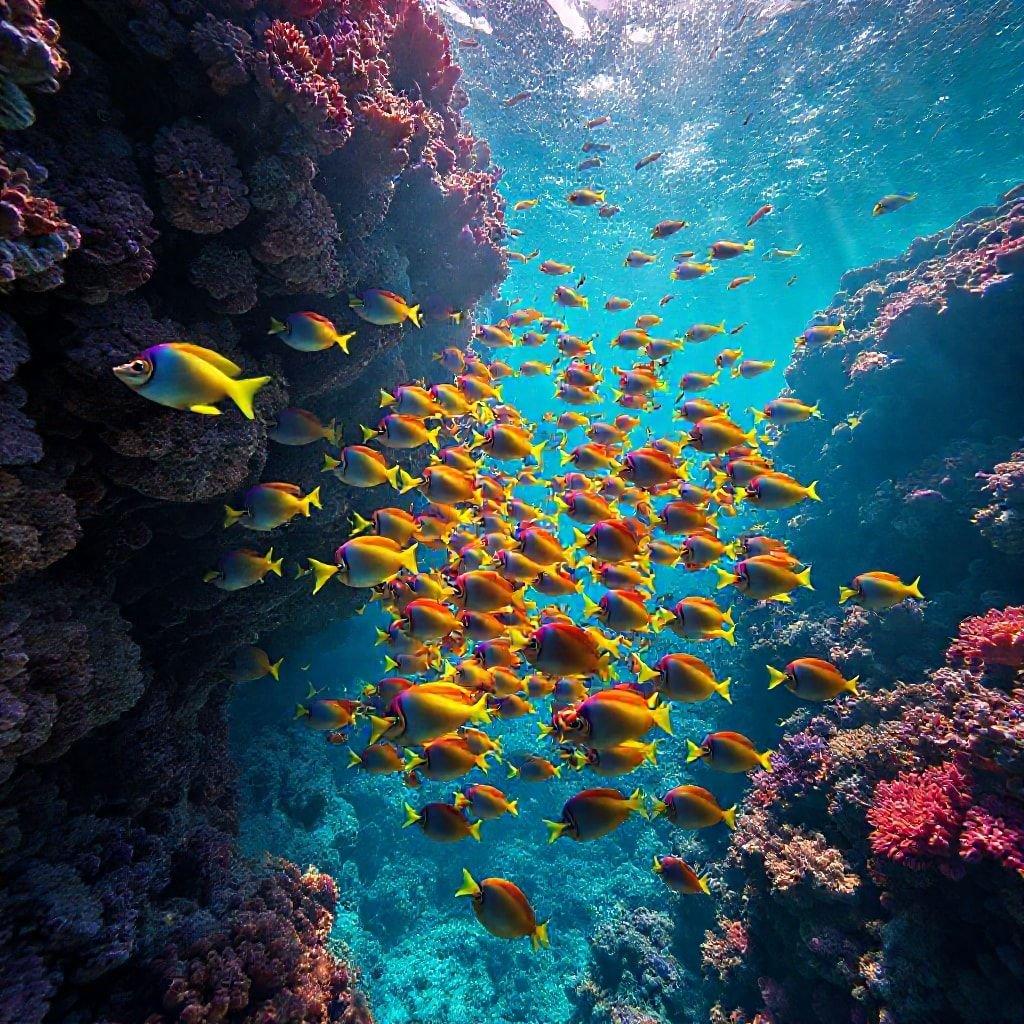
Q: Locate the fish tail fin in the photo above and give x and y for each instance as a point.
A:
(765, 760)
(354, 760)
(479, 711)
(775, 677)
(841, 326)
(703, 883)
(322, 572)
(845, 593)
(311, 500)
(276, 326)
(407, 559)
(693, 752)
(243, 393)
(232, 515)
(651, 752)
(274, 669)
(758, 414)
(729, 816)
(816, 410)
(408, 482)
(851, 685)
(725, 578)
(432, 437)
(481, 762)
(721, 327)
(660, 619)
(414, 761)
(379, 726)
(411, 817)
(590, 607)
(644, 672)
(662, 718)
(751, 437)
(389, 663)
(513, 771)
(342, 340)
(658, 808)
(915, 589)
(748, 246)
(331, 432)
(586, 302)
(414, 315)
(728, 635)
(812, 491)
(301, 711)
(393, 474)
(723, 689)
(330, 462)
(537, 451)
(638, 802)
(368, 432)
(539, 939)
(359, 524)
(469, 887)
(556, 829)
(386, 398)
(804, 577)
(276, 566)
(474, 829)
(656, 866)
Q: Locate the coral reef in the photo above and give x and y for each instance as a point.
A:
(197, 172)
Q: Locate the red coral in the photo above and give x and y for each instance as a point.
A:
(917, 817)
(995, 639)
(295, 71)
(994, 829)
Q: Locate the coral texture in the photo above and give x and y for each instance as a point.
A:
(203, 168)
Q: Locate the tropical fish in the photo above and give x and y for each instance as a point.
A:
(585, 197)
(325, 714)
(749, 368)
(638, 258)
(613, 304)
(446, 758)
(484, 802)
(384, 308)
(774, 255)
(594, 813)
(503, 909)
(618, 760)
(185, 376)
(765, 578)
(647, 160)
(427, 712)
(566, 296)
(682, 678)
(879, 590)
(667, 228)
(554, 268)
(738, 282)
(564, 649)
(699, 618)
(442, 823)
(610, 717)
(610, 540)
(701, 332)
(597, 122)
(820, 332)
(411, 400)
(607, 211)
(519, 97)
(787, 410)
(812, 679)
(680, 877)
(778, 491)
(693, 807)
(724, 250)
(269, 505)
(364, 562)
(889, 203)
(534, 768)
(760, 212)
(728, 752)
(299, 427)
(624, 611)
(242, 568)
(377, 759)
(525, 204)
(249, 663)
(310, 332)
(690, 271)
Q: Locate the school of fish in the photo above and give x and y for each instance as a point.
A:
(487, 592)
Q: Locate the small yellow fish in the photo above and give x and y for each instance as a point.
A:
(879, 590)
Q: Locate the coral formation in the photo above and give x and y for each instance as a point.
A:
(195, 171)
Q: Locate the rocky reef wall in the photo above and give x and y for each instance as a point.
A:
(173, 170)
(868, 869)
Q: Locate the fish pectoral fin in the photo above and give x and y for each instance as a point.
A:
(205, 410)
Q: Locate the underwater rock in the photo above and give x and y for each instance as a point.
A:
(125, 896)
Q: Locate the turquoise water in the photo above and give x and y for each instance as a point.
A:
(844, 102)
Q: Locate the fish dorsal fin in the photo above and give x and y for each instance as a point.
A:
(215, 359)
(283, 487)
(882, 575)
(820, 664)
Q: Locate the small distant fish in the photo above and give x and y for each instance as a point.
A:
(665, 300)
(585, 197)
(667, 228)
(250, 663)
(554, 268)
(890, 203)
(607, 211)
(725, 250)
(242, 568)
(525, 204)
(598, 122)
(596, 147)
(773, 255)
(310, 332)
(638, 258)
(676, 873)
(879, 590)
(791, 281)
(738, 282)
(738, 328)
(746, 120)
(383, 308)
(589, 164)
(300, 427)
(762, 211)
(520, 97)
(646, 160)
(615, 303)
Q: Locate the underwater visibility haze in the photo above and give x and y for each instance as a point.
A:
(512, 511)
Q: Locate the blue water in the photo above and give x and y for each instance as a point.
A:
(844, 102)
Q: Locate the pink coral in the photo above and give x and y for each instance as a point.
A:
(994, 828)
(916, 818)
(995, 639)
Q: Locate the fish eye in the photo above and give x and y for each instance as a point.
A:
(139, 365)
